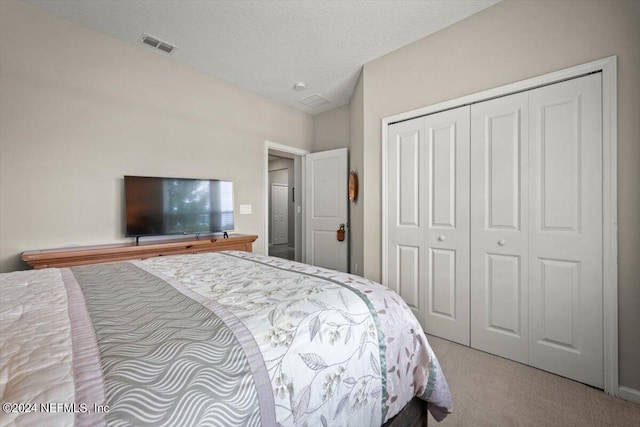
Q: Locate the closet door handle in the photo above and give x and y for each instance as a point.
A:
(442, 238)
(502, 242)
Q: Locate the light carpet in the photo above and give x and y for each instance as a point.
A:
(488, 390)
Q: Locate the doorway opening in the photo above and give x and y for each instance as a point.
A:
(282, 242)
(284, 200)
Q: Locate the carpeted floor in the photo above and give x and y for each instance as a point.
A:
(488, 390)
(282, 251)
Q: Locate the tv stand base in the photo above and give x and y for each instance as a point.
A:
(82, 255)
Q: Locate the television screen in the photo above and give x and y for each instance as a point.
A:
(160, 206)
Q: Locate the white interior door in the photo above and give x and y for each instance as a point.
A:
(565, 308)
(279, 214)
(499, 227)
(327, 209)
(428, 188)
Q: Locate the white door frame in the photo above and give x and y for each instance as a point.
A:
(269, 145)
(608, 67)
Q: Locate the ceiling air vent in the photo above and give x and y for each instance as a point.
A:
(157, 43)
(314, 101)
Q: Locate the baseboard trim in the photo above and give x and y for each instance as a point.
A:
(628, 393)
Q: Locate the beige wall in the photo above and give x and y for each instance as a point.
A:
(508, 42)
(334, 129)
(356, 149)
(331, 129)
(78, 110)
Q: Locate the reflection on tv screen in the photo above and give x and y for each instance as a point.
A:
(157, 206)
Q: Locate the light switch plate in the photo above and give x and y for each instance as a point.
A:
(245, 209)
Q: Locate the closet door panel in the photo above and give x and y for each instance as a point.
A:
(503, 293)
(407, 206)
(566, 229)
(442, 278)
(499, 226)
(408, 275)
(447, 234)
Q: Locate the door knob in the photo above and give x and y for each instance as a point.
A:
(502, 242)
(442, 238)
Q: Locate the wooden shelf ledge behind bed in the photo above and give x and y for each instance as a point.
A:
(82, 255)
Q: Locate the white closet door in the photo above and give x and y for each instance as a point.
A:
(566, 324)
(428, 221)
(406, 219)
(447, 239)
(499, 227)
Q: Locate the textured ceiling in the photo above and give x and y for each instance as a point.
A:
(268, 46)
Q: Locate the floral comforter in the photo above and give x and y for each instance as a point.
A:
(223, 338)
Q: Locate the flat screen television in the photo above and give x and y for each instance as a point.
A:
(162, 206)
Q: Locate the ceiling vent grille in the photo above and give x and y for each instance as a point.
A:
(157, 43)
(314, 101)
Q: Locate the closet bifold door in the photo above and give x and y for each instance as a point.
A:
(406, 213)
(499, 227)
(428, 220)
(565, 306)
(447, 230)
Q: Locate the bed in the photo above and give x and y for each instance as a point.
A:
(222, 338)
